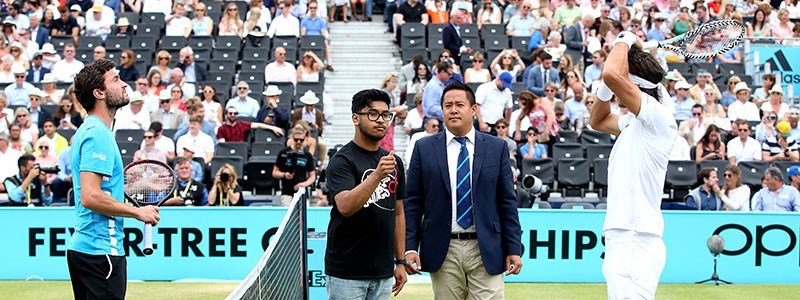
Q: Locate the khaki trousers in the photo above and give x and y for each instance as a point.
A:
(462, 275)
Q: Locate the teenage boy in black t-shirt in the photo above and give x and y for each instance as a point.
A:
(366, 233)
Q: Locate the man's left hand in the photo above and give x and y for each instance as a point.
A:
(399, 279)
(513, 264)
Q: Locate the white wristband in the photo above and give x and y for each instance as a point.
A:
(626, 37)
(604, 93)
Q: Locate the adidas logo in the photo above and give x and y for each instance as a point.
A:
(779, 62)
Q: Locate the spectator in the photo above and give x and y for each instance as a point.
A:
(164, 143)
(414, 117)
(571, 76)
(577, 38)
(430, 128)
(197, 168)
(280, 70)
(564, 123)
(781, 146)
(710, 146)
(170, 118)
(431, 99)
(313, 25)
(67, 117)
(176, 97)
(65, 25)
(522, 23)
(594, 70)
(123, 27)
(783, 28)
(6, 74)
(573, 106)
(494, 102)
(244, 104)
(20, 20)
(422, 75)
(489, 13)
(776, 104)
(177, 79)
(212, 106)
(295, 167)
(133, 116)
(197, 140)
(658, 32)
(127, 66)
(6, 115)
(225, 191)
(582, 123)
(19, 91)
(683, 102)
(736, 195)
(502, 133)
(48, 16)
(38, 33)
(49, 56)
(410, 11)
(159, 6)
(195, 108)
(775, 196)
(742, 108)
(707, 195)
(149, 150)
(309, 113)
(389, 86)
(202, 24)
(309, 68)
(284, 24)
(445, 56)
(256, 19)
(188, 192)
(703, 79)
(566, 14)
(99, 53)
(20, 59)
(694, 128)
(29, 178)
(343, 5)
(680, 150)
(177, 23)
(408, 70)
(271, 113)
(538, 76)
(66, 68)
(728, 96)
(532, 149)
(193, 72)
(55, 141)
(234, 130)
(17, 140)
(476, 74)
(29, 132)
(451, 36)
(794, 116)
(37, 72)
(311, 143)
(8, 160)
(508, 61)
(437, 12)
(29, 48)
(794, 176)
(154, 83)
(99, 23)
(761, 95)
(163, 61)
(63, 181)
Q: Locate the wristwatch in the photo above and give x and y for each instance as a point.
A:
(399, 261)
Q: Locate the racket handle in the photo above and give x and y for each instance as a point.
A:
(649, 45)
(148, 239)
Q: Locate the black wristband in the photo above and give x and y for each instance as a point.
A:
(399, 261)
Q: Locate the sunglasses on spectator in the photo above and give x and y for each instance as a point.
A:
(19, 76)
(165, 101)
(149, 137)
(241, 88)
(728, 175)
(233, 113)
(44, 147)
(22, 115)
(233, 9)
(744, 129)
(312, 7)
(697, 114)
(299, 140)
(66, 106)
(500, 127)
(444, 56)
(478, 61)
(208, 91)
(163, 58)
(549, 90)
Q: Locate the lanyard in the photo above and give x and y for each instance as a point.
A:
(222, 199)
(185, 190)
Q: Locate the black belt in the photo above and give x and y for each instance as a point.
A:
(464, 236)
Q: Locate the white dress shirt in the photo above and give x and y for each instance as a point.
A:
(453, 148)
(750, 150)
(284, 26)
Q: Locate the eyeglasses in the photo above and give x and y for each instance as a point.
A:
(299, 140)
(549, 90)
(176, 92)
(14, 50)
(208, 91)
(149, 137)
(507, 57)
(19, 76)
(733, 82)
(233, 113)
(165, 101)
(559, 114)
(500, 127)
(444, 56)
(20, 116)
(728, 175)
(697, 114)
(233, 9)
(526, 7)
(589, 102)
(199, 10)
(44, 147)
(772, 118)
(69, 51)
(374, 115)
(531, 134)
(241, 88)
(420, 69)
(163, 58)
(478, 61)
(744, 130)
(66, 106)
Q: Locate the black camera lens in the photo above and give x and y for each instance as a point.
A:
(224, 177)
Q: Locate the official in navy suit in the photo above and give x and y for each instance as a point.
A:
(37, 71)
(465, 244)
(39, 34)
(539, 75)
(451, 36)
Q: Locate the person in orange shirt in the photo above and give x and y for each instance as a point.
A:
(438, 13)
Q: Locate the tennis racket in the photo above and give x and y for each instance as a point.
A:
(148, 182)
(708, 40)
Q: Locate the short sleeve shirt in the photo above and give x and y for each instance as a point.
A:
(412, 14)
(94, 150)
(299, 163)
(234, 133)
(313, 26)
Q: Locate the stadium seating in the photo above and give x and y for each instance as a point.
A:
(573, 176)
(784, 167)
(681, 176)
(752, 172)
(563, 151)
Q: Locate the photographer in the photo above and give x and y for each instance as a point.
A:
(295, 167)
(225, 191)
(27, 187)
(188, 192)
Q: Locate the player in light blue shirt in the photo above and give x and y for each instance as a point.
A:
(95, 255)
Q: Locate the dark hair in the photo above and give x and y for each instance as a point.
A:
(602, 53)
(214, 98)
(131, 59)
(156, 126)
(416, 74)
(23, 160)
(740, 122)
(417, 59)
(364, 97)
(89, 79)
(443, 66)
(62, 9)
(705, 173)
(647, 67)
(50, 121)
(545, 56)
(60, 112)
(705, 139)
(457, 85)
(529, 100)
(698, 105)
(180, 160)
(501, 122)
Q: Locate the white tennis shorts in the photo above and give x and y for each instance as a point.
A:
(633, 264)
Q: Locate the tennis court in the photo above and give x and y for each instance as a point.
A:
(213, 290)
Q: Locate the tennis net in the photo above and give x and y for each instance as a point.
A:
(281, 271)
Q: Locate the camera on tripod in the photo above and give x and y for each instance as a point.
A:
(48, 170)
(533, 185)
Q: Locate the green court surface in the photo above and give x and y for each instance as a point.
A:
(168, 290)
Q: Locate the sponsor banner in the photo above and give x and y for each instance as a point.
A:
(783, 61)
(559, 245)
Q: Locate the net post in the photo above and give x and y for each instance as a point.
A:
(304, 230)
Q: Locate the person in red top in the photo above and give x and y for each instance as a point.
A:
(235, 131)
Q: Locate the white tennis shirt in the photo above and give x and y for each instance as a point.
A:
(637, 168)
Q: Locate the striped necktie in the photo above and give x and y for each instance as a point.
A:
(463, 186)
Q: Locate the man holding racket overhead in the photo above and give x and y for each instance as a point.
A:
(635, 252)
(95, 256)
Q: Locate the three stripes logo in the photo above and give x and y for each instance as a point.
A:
(779, 62)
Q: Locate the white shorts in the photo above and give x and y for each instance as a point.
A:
(633, 264)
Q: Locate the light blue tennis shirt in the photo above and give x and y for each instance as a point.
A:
(94, 150)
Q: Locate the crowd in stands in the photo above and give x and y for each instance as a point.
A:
(206, 77)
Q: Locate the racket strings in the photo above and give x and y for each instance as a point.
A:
(713, 40)
(148, 183)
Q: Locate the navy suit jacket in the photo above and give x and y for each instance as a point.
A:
(29, 77)
(428, 203)
(43, 36)
(200, 73)
(452, 42)
(534, 81)
(573, 39)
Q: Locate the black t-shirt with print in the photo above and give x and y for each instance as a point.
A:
(224, 199)
(362, 246)
(192, 190)
(301, 163)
